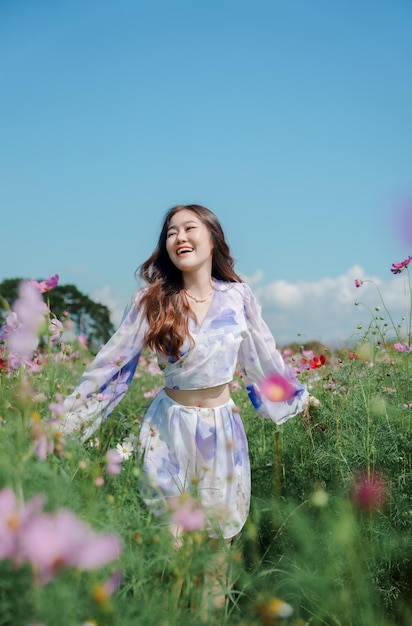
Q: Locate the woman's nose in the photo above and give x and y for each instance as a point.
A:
(181, 235)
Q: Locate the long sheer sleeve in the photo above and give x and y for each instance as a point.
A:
(108, 376)
(258, 359)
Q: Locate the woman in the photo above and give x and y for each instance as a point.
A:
(203, 322)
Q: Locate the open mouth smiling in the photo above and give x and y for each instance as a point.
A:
(184, 250)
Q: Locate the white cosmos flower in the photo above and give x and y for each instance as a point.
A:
(132, 439)
(125, 449)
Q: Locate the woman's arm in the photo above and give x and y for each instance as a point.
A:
(108, 376)
(259, 358)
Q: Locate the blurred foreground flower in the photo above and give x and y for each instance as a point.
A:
(51, 541)
(319, 497)
(57, 408)
(187, 512)
(42, 437)
(103, 592)
(272, 610)
(369, 492)
(82, 339)
(14, 517)
(23, 326)
(113, 462)
(401, 347)
(277, 388)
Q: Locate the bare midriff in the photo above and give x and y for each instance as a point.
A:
(204, 398)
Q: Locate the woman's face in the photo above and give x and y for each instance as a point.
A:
(188, 242)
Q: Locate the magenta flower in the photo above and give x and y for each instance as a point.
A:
(277, 388)
(187, 512)
(369, 492)
(397, 268)
(358, 282)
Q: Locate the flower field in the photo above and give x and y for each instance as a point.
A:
(328, 540)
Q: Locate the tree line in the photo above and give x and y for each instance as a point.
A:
(89, 317)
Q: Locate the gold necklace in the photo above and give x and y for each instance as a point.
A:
(199, 300)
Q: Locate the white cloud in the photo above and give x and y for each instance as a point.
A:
(325, 310)
(322, 310)
(116, 307)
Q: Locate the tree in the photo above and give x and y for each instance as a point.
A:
(89, 317)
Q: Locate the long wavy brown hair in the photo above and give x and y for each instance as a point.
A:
(164, 304)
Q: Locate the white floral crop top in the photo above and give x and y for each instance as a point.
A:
(233, 335)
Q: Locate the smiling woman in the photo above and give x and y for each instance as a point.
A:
(203, 322)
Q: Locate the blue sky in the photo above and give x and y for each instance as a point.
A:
(290, 120)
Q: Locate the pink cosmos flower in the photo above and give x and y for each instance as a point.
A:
(358, 282)
(277, 388)
(187, 512)
(43, 443)
(14, 517)
(82, 339)
(401, 347)
(60, 539)
(29, 310)
(113, 462)
(46, 285)
(55, 331)
(397, 268)
(12, 324)
(57, 408)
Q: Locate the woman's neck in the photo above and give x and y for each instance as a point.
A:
(200, 292)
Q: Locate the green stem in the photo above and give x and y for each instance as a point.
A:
(278, 465)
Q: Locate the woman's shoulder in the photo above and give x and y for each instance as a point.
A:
(134, 302)
(240, 288)
(139, 293)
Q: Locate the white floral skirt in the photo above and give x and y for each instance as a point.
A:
(200, 451)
